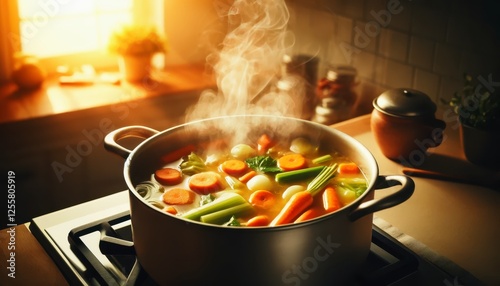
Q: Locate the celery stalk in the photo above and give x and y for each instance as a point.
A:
(298, 175)
(219, 216)
(322, 159)
(322, 179)
(227, 200)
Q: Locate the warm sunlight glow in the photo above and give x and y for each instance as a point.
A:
(53, 28)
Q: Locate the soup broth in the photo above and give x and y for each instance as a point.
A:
(252, 184)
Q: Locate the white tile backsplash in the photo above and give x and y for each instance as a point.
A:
(427, 45)
(421, 52)
(393, 44)
(427, 82)
(447, 60)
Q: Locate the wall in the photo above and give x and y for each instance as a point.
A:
(426, 45)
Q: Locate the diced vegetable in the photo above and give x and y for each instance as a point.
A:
(290, 191)
(297, 204)
(232, 222)
(357, 185)
(147, 188)
(234, 167)
(302, 146)
(308, 214)
(178, 196)
(260, 182)
(346, 196)
(234, 183)
(193, 164)
(264, 143)
(204, 183)
(242, 151)
(322, 159)
(348, 168)
(298, 175)
(292, 162)
(262, 199)
(219, 216)
(215, 158)
(331, 201)
(226, 200)
(260, 220)
(205, 199)
(171, 210)
(264, 164)
(168, 176)
(177, 154)
(245, 178)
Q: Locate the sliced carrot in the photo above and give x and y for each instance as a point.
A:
(178, 196)
(264, 143)
(309, 214)
(234, 167)
(297, 204)
(292, 162)
(262, 199)
(205, 183)
(245, 178)
(331, 200)
(178, 153)
(348, 168)
(260, 220)
(170, 210)
(168, 176)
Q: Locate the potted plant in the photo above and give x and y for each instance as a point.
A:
(478, 110)
(136, 46)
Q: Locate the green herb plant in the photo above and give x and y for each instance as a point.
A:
(475, 105)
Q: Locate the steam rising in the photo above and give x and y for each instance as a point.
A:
(247, 65)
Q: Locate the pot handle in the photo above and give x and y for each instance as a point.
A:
(407, 188)
(111, 140)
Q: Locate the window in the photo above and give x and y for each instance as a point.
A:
(52, 28)
(75, 32)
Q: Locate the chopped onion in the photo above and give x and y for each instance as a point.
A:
(302, 146)
(260, 182)
(290, 191)
(242, 151)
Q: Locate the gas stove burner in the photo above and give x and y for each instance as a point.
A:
(387, 262)
(81, 241)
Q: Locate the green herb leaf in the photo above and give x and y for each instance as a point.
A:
(233, 222)
(207, 199)
(264, 164)
(193, 164)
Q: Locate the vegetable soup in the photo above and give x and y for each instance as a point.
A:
(262, 183)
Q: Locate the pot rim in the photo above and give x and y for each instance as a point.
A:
(372, 164)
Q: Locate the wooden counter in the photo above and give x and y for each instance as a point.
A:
(55, 98)
(458, 221)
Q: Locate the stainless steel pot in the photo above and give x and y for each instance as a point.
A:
(323, 251)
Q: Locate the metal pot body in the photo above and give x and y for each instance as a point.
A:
(323, 251)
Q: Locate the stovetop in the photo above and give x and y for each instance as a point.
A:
(92, 244)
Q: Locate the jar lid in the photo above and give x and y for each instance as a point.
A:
(341, 73)
(405, 102)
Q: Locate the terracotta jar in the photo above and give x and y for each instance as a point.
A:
(404, 124)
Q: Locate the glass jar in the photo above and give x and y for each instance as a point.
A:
(336, 95)
(298, 78)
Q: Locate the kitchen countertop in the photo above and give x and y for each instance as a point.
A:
(457, 221)
(54, 98)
